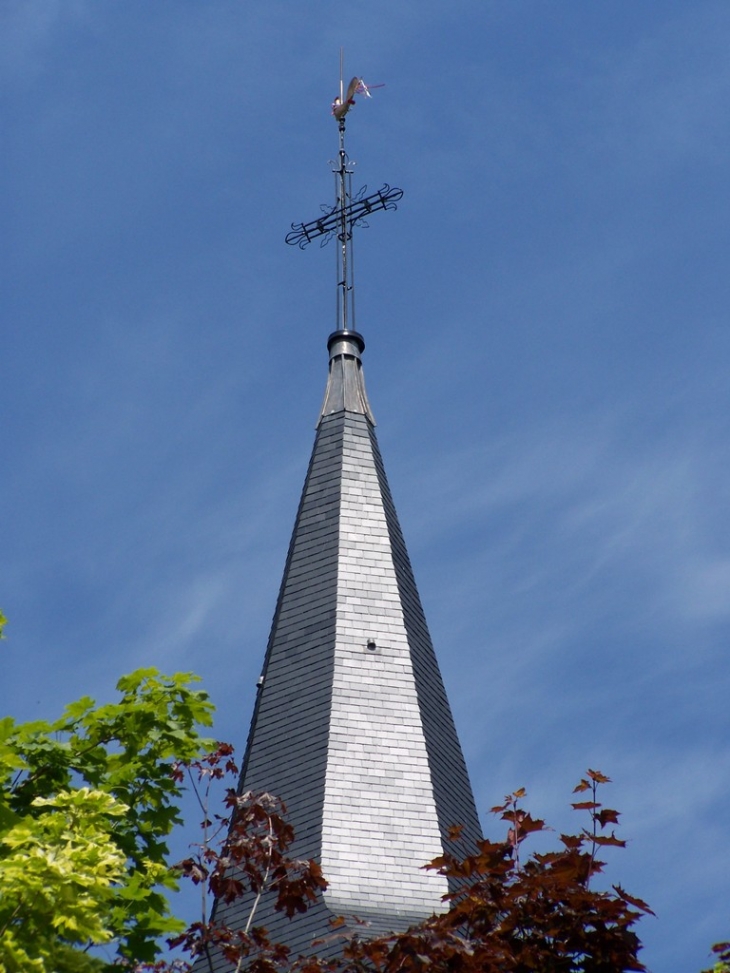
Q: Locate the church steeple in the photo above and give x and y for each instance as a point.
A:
(352, 727)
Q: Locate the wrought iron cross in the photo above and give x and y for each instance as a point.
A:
(349, 211)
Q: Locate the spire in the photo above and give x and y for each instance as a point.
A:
(352, 727)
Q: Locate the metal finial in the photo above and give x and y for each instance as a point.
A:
(349, 211)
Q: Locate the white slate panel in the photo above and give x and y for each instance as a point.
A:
(380, 824)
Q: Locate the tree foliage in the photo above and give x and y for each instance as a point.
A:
(722, 952)
(513, 917)
(243, 853)
(507, 916)
(86, 804)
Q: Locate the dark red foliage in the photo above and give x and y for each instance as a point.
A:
(540, 916)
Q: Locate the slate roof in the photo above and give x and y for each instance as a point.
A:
(352, 727)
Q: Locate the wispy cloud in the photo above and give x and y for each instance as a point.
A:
(28, 29)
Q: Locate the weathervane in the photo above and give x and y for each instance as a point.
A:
(349, 211)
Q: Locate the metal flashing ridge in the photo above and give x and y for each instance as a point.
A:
(345, 390)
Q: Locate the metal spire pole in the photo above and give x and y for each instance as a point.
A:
(345, 283)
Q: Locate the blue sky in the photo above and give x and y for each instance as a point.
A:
(547, 359)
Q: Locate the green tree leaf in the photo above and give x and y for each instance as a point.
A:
(86, 804)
